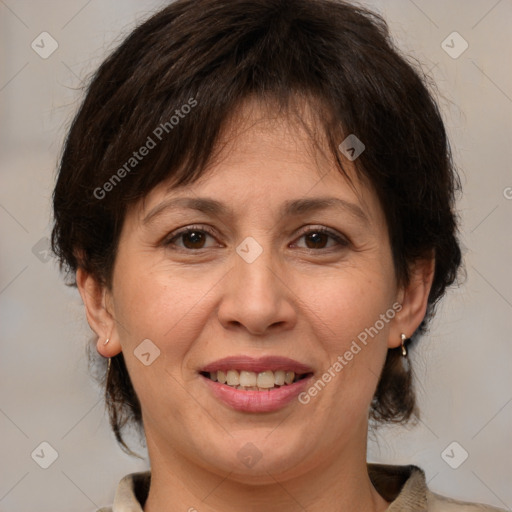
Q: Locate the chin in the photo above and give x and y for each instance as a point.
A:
(253, 459)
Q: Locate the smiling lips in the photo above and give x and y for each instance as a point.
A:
(256, 384)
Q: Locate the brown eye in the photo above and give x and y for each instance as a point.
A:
(196, 239)
(192, 238)
(319, 238)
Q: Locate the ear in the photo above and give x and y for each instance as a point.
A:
(96, 299)
(414, 301)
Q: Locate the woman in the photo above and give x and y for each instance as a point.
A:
(256, 203)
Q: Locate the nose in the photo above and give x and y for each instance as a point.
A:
(257, 297)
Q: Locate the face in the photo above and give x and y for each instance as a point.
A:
(257, 278)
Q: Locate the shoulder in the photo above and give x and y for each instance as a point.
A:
(131, 493)
(406, 490)
(439, 503)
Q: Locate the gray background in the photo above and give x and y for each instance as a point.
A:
(463, 364)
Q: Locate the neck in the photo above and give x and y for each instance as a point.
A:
(338, 482)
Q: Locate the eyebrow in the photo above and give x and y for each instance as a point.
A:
(288, 208)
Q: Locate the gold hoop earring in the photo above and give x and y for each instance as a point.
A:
(404, 350)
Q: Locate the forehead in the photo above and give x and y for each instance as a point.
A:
(278, 161)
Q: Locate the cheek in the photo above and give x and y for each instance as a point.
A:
(351, 318)
(166, 305)
(350, 300)
(170, 309)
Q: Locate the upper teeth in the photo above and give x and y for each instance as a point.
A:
(266, 380)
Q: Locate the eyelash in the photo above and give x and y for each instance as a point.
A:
(342, 242)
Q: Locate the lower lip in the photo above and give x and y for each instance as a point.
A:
(257, 401)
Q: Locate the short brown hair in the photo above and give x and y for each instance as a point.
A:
(219, 53)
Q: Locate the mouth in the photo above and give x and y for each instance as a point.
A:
(247, 373)
(250, 384)
(265, 380)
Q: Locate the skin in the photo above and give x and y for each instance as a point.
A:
(297, 299)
